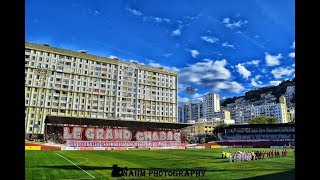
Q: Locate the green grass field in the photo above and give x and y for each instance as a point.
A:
(98, 164)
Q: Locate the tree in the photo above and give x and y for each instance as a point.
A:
(272, 120)
(264, 120)
(216, 130)
(220, 126)
(259, 120)
(202, 140)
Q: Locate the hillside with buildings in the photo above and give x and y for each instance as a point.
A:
(255, 94)
(275, 101)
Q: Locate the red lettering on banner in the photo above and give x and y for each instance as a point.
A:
(109, 134)
(163, 135)
(155, 136)
(66, 133)
(177, 136)
(170, 136)
(89, 133)
(139, 136)
(77, 133)
(118, 134)
(147, 135)
(127, 135)
(100, 134)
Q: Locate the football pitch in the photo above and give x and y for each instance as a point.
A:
(98, 164)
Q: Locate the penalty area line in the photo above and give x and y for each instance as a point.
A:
(92, 177)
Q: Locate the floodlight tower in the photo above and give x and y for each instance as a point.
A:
(190, 92)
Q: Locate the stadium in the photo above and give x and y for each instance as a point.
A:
(61, 158)
(92, 117)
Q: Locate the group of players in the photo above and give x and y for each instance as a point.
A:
(253, 155)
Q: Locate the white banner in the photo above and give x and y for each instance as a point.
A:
(75, 143)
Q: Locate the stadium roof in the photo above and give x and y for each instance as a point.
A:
(238, 126)
(116, 123)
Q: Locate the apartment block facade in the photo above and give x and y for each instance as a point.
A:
(196, 112)
(223, 114)
(76, 84)
(211, 104)
(183, 113)
(244, 115)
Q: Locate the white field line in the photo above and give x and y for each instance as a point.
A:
(92, 177)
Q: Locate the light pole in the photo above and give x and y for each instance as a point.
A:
(43, 74)
(190, 92)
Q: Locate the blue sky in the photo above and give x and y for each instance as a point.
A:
(226, 47)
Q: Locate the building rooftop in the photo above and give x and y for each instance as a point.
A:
(84, 55)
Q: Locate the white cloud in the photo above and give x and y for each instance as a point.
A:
(197, 97)
(243, 71)
(253, 62)
(282, 72)
(226, 20)
(167, 55)
(112, 57)
(255, 81)
(176, 32)
(183, 100)
(293, 45)
(293, 65)
(292, 55)
(274, 83)
(194, 53)
(225, 44)
(233, 24)
(272, 60)
(166, 19)
(134, 12)
(156, 19)
(209, 39)
(97, 12)
(157, 65)
(257, 77)
(94, 12)
(209, 74)
(230, 86)
(264, 71)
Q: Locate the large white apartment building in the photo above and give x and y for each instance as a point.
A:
(77, 84)
(244, 115)
(211, 104)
